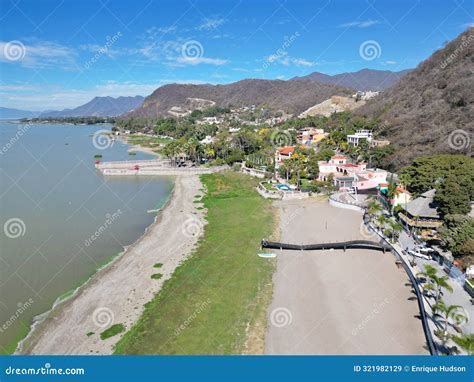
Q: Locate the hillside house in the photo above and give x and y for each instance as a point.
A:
(349, 175)
(282, 154)
(355, 139)
(310, 135)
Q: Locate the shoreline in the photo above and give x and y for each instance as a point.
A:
(55, 331)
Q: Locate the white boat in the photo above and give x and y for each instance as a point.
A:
(267, 255)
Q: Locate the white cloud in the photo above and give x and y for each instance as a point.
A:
(211, 23)
(50, 97)
(360, 24)
(390, 62)
(284, 59)
(200, 60)
(38, 54)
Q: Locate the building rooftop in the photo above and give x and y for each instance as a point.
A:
(286, 150)
(423, 206)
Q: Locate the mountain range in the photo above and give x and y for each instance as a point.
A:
(431, 109)
(362, 80)
(100, 107)
(97, 107)
(291, 96)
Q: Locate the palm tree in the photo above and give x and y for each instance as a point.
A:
(447, 312)
(396, 228)
(466, 341)
(373, 208)
(436, 283)
(381, 221)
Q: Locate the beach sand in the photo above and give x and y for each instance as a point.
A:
(117, 293)
(336, 302)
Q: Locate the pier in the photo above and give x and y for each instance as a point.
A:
(152, 167)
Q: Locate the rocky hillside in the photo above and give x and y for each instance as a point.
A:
(431, 109)
(291, 96)
(363, 80)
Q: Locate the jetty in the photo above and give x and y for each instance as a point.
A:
(152, 167)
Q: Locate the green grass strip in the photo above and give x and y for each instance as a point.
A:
(209, 302)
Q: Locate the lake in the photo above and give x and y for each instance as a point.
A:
(60, 219)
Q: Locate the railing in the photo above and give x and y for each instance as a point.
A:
(419, 296)
(353, 244)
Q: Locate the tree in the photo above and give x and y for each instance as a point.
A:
(374, 208)
(436, 282)
(452, 197)
(427, 172)
(466, 341)
(458, 234)
(381, 221)
(396, 228)
(454, 312)
(312, 167)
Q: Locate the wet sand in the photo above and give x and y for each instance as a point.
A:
(336, 302)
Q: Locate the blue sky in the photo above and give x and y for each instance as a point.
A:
(56, 54)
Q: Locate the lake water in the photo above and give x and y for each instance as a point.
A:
(60, 219)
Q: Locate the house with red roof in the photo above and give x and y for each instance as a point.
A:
(282, 154)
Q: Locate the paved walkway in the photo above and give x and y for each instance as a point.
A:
(459, 295)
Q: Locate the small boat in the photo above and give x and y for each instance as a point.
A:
(267, 255)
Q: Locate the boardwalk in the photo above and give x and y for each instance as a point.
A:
(151, 167)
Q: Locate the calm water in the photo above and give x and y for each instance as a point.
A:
(52, 201)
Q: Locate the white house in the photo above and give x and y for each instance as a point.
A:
(354, 139)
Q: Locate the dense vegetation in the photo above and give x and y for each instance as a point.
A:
(453, 178)
(74, 120)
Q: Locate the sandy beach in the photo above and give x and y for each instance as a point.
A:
(336, 302)
(117, 293)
